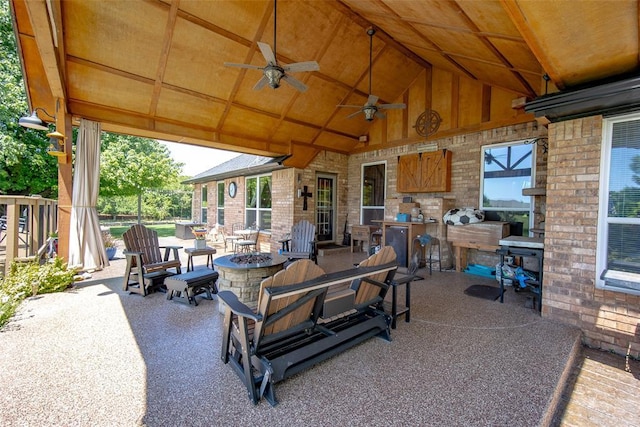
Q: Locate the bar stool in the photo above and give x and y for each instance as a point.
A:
(429, 248)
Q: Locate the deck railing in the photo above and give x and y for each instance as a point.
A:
(26, 222)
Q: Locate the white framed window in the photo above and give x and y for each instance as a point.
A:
(373, 187)
(618, 248)
(258, 201)
(505, 170)
(220, 207)
(203, 214)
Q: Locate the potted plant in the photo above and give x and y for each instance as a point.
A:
(200, 241)
(53, 244)
(110, 245)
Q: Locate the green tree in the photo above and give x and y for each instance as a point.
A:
(25, 166)
(130, 166)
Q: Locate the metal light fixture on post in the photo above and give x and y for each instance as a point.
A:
(56, 139)
(35, 122)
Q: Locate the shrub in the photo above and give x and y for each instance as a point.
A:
(26, 279)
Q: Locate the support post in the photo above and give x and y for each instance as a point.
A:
(65, 182)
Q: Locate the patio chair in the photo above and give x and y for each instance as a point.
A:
(146, 266)
(249, 242)
(22, 228)
(301, 242)
(229, 236)
(41, 256)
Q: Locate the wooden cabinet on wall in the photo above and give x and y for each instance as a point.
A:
(424, 172)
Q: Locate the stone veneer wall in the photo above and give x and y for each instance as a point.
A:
(609, 320)
(245, 283)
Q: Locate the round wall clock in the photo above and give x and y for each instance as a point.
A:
(233, 189)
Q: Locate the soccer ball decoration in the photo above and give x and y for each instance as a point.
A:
(463, 216)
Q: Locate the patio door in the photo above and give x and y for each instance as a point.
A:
(325, 207)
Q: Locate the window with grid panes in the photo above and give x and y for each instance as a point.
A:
(203, 216)
(258, 201)
(374, 184)
(618, 255)
(220, 219)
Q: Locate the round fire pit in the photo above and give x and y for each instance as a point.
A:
(242, 273)
(250, 258)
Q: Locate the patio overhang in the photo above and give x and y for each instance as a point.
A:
(607, 98)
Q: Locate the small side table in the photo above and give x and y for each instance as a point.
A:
(191, 252)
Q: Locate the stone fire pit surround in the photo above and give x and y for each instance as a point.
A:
(243, 276)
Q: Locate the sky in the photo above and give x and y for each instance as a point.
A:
(196, 159)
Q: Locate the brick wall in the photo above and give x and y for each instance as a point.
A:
(609, 320)
(465, 176)
(570, 173)
(286, 208)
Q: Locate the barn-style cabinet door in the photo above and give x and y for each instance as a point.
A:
(435, 171)
(424, 172)
(408, 180)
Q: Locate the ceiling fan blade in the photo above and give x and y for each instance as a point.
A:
(372, 100)
(350, 106)
(354, 114)
(302, 66)
(261, 83)
(254, 67)
(295, 83)
(380, 115)
(392, 106)
(267, 53)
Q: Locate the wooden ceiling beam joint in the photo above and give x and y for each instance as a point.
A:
(164, 55)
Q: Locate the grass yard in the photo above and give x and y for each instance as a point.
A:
(164, 230)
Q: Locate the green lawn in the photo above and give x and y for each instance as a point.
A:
(164, 230)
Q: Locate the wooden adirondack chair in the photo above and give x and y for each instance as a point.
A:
(301, 242)
(146, 266)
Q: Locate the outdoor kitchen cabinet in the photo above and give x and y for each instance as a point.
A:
(424, 172)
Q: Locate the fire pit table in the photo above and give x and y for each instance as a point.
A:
(242, 273)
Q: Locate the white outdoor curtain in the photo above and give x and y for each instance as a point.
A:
(86, 249)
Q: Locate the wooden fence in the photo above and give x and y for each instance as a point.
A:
(26, 222)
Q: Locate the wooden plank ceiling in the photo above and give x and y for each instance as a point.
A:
(156, 67)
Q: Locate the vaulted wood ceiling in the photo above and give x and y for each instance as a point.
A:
(155, 67)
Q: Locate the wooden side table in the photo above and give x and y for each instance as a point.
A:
(191, 252)
(362, 234)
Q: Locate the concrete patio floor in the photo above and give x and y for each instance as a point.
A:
(97, 356)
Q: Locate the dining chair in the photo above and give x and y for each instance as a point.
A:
(230, 236)
(249, 243)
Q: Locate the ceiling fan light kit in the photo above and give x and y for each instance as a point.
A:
(274, 73)
(370, 109)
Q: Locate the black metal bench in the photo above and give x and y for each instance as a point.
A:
(184, 287)
(286, 335)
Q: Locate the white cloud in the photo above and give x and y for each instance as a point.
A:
(197, 159)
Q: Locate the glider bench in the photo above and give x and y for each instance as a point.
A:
(286, 333)
(184, 287)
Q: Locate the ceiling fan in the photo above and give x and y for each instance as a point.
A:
(274, 72)
(370, 109)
